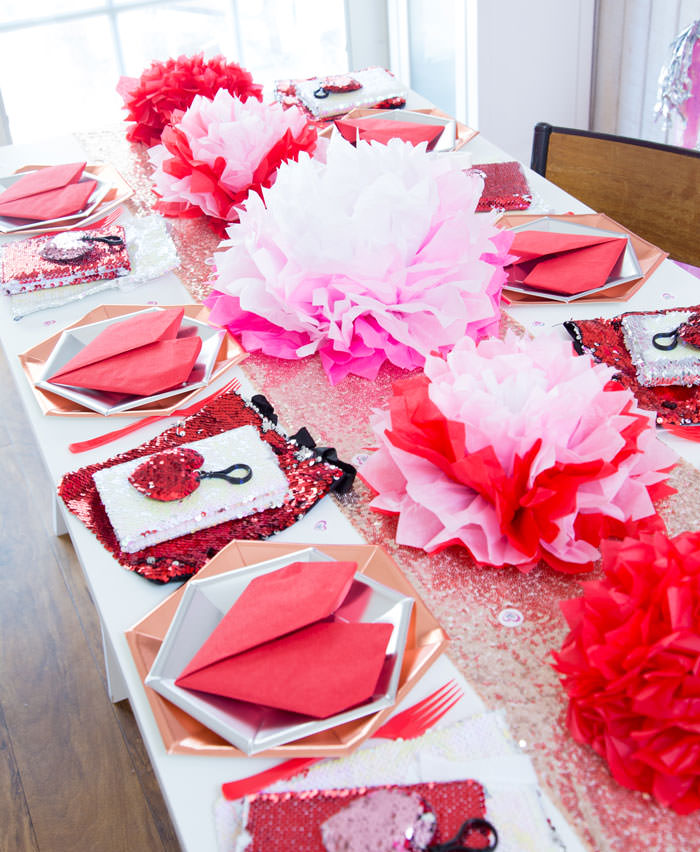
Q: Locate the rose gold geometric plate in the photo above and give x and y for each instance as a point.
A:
(182, 734)
(648, 255)
(34, 362)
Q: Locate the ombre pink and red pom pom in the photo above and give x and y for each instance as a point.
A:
(518, 451)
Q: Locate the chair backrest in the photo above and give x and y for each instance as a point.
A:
(652, 189)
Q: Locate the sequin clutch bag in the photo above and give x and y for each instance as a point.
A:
(330, 821)
(660, 347)
(70, 257)
(326, 97)
(197, 485)
(505, 187)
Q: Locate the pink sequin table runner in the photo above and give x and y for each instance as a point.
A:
(503, 624)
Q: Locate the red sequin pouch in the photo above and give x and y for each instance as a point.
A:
(505, 187)
(58, 260)
(311, 471)
(312, 820)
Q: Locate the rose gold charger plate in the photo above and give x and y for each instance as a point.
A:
(648, 255)
(34, 360)
(182, 734)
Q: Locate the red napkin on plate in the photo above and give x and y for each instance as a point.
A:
(141, 355)
(276, 646)
(382, 130)
(47, 193)
(567, 264)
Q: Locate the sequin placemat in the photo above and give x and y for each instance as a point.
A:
(504, 624)
(295, 820)
(194, 239)
(477, 747)
(152, 254)
(309, 475)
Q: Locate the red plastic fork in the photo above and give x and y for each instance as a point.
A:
(416, 720)
(408, 724)
(108, 437)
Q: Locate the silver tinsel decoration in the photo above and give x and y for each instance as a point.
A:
(674, 80)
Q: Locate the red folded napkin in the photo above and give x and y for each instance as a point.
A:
(567, 264)
(47, 193)
(42, 180)
(382, 130)
(141, 356)
(276, 646)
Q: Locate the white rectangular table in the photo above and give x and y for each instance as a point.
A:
(191, 784)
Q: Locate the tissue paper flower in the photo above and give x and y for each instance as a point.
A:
(631, 666)
(376, 254)
(519, 451)
(168, 86)
(222, 148)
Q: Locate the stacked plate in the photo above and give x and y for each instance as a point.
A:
(110, 191)
(73, 340)
(219, 352)
(566, 288)
(167, 639)
(636, 263)
(253, 727)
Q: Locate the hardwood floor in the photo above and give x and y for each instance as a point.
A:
(74, 774)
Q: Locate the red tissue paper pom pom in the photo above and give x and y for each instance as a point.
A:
(168, 86)
(631, 666)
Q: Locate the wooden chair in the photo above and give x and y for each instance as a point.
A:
(652, 189)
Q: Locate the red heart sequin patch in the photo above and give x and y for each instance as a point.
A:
(340, 83)
(689, 332)
(402, 819)
(170, 475)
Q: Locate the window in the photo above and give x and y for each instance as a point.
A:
(59, 70)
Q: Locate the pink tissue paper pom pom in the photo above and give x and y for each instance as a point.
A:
(519, 451)
(375, 255)
(221, 149)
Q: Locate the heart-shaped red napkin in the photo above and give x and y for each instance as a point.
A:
(566, 264)
(276, 646)
(47, 193)
(141, 355)
(317, 671)
(382, 130)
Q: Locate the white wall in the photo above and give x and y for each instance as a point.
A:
(513, 62)
(532, 60)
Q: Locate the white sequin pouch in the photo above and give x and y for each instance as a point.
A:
(192, 487)
(657, 349)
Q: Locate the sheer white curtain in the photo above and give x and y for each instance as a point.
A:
(5, 136)
(633, 38)
(60, 62)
